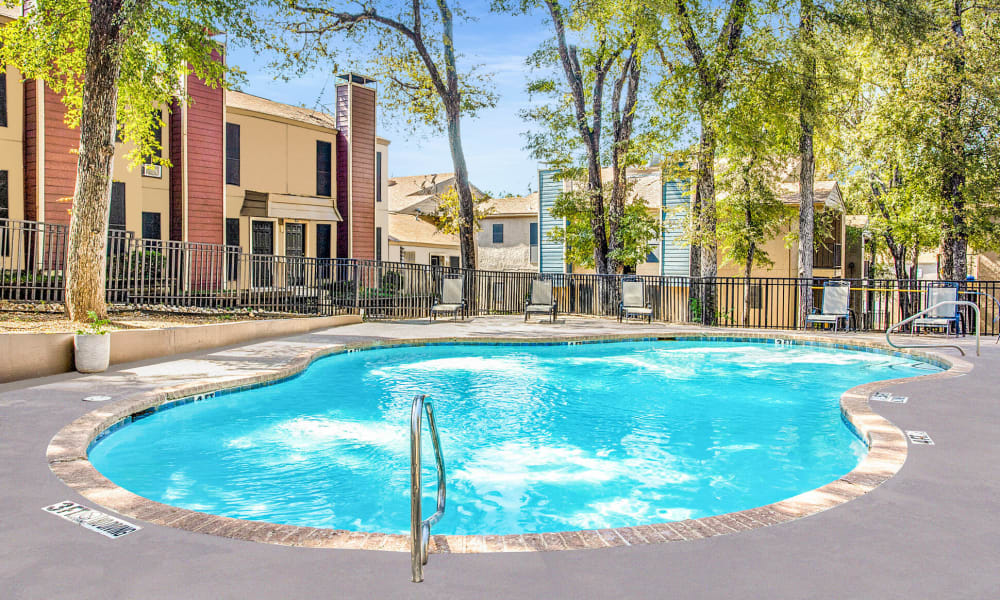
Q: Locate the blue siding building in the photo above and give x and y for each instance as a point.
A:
(671, 253)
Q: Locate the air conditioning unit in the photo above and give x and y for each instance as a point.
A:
(152, 171)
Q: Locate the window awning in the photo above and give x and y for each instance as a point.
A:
(291, 206)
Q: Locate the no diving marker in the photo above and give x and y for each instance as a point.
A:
(920, 437)
(91, 519)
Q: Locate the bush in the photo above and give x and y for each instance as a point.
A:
(392, 282)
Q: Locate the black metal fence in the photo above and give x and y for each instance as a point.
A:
(180, 275)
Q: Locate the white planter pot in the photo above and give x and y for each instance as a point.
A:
(91, 352)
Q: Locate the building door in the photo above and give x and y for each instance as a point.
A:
(262, 247)
(295, 250)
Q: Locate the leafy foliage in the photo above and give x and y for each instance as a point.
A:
(446, 217)
(166, 39)
(639, 229)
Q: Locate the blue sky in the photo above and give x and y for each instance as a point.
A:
(493, 142)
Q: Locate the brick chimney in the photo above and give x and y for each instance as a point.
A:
(356, 166)
(197, 194)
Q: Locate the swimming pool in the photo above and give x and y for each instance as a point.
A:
(537, 438)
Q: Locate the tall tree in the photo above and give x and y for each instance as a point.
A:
(757, 137)
(411, 47)
(115, 62)
(808, 109)
(705, 75)
(592, 121)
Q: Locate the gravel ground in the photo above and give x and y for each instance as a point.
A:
(54, 321)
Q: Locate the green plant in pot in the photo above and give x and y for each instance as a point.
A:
(92, 345)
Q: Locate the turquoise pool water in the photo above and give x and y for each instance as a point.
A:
(536, 437)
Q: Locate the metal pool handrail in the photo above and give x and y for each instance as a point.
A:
(930, 309)
(420, 529)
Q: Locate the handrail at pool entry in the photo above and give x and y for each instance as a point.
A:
(420, 529)
(924, 312)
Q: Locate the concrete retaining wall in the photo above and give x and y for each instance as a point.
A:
(27, 355)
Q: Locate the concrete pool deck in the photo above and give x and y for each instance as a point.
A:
(932, 530)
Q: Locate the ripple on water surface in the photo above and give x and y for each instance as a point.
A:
(536, 438)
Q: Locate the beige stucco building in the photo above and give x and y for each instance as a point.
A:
(508, 238)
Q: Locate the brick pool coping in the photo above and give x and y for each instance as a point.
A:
(67, 457)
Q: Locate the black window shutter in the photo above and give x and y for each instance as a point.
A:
(232, 154)
(116, 219)
(3, 97)
(323, 168)
(4, 214)
(4, 198)
(378, 177)
(232, 255)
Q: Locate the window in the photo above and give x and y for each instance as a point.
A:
(378, 243)
(151, 226)
(455, 262)
(436, 260)
(651, 257)
(158, 136)
(498, 233)
(378, 177)
(324, 185)
(3, 97)
(232, 154)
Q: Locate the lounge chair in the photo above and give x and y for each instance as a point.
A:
(945, 316)
(541, 300)
(452, 298)
(634, 301)
(836, 306)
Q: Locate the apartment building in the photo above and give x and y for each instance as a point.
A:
(268, 177)
(508, 238)
(668, 201)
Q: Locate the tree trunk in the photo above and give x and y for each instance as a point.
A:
(695, 251)
(906, 298)
(622, 122)
(595, 192)
(709, 245)
(466, 204)
(88, 233)
(953, 177)
(807, 167)
(747, 270)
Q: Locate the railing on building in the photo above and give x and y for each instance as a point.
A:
(190, 276)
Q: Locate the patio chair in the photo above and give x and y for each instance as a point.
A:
(836, 306)
(452, 298)
(541, 300)
(944, 317)
(634, 301)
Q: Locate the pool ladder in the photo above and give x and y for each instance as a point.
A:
(420, 529)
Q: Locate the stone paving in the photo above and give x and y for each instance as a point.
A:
(846, 552)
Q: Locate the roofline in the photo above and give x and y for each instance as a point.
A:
(279, 119)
